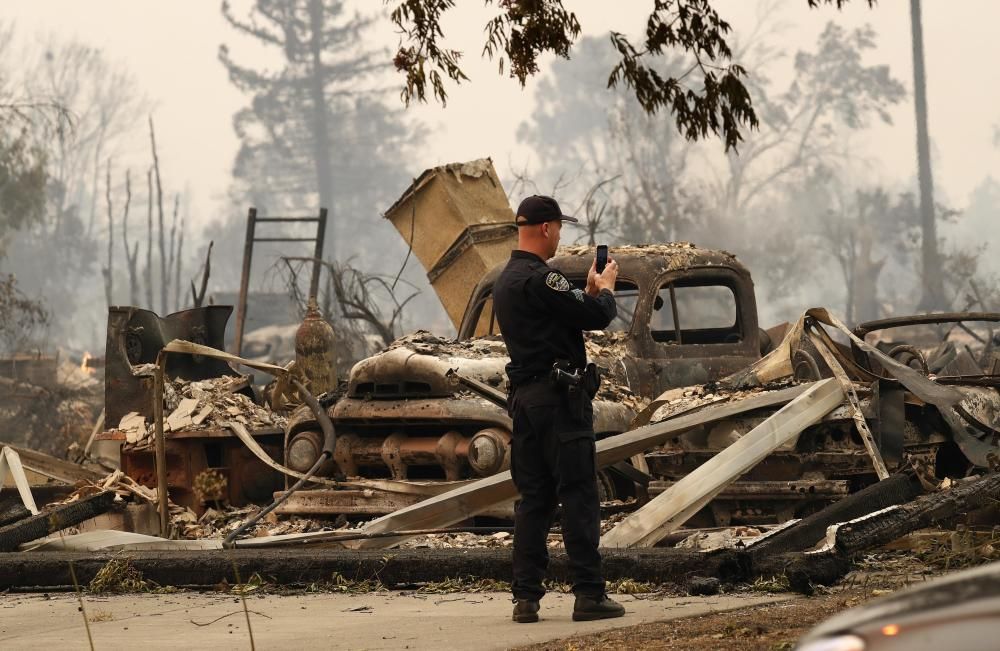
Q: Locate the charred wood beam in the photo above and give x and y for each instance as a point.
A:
(400, 568)
(803, 571)
(884, 526)
(811, 529)
(53, 520)
(12, 512)
(863, 329)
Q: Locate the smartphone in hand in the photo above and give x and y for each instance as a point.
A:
(602, 257)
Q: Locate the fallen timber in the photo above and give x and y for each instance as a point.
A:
(454, 506)
(884, 526)
(46, 465)
(402, 568)
(808, 531)
(399, 568)
(53, 520)
(672, 508)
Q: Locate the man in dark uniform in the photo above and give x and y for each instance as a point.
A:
(542, 318)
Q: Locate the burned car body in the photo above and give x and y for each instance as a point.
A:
(945, 429)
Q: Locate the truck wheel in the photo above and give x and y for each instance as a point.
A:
(606, 487)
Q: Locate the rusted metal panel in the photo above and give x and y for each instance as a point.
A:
(772, 490)
(471, 410)
(247, 478)
(457, 221)
(135, 337)
(863, 329)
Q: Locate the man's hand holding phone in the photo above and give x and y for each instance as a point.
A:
(604, 279)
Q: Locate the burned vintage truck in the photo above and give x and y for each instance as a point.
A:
(428, 408)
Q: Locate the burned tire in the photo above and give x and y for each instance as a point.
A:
(804, 366)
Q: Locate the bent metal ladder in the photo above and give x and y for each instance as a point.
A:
(252, 221)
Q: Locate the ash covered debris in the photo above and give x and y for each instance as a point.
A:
(606, 349)
(426, 343)
(202, 405)
(667, 256)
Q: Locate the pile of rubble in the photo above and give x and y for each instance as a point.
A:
(220, 522)
(673, 255)
(607, 349)
(499, 539)
(202, 405)
(425, 343)
(686, 399)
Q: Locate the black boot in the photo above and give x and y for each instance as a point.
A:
(525, 611)
(589, 608)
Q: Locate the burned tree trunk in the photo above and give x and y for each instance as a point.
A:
(933, 286)
(198, 296)
(884, 527)
(320, 128)
(172, 248)
(177, 267)
(149, 240)
(108, 271)
(865, 277)
(810, 530)
(164, 276)
(131, 257)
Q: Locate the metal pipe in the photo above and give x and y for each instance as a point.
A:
(329, 437)
(228, 542)
(241, 303)
(329, 442)
(318, 255)
(161, 447)
(284, 239)
(287, 219)
(677, 320)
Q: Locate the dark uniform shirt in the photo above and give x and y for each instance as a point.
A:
(542, 317)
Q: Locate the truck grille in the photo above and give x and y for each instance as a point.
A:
(392, 389)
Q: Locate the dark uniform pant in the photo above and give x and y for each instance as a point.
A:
(553, 461)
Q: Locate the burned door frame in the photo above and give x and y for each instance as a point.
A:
(693, 364)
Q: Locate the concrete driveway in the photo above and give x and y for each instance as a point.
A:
(380, 620)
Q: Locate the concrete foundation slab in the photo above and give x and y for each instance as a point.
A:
(380, 620)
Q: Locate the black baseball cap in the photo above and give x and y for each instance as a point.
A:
(537, 209)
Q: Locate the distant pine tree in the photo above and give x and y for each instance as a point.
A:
(318, 131)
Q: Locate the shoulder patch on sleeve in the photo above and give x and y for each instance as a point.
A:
(557, 281)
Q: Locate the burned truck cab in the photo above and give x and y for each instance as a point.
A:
(686, 315)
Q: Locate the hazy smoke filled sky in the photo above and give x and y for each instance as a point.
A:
(172, 48)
